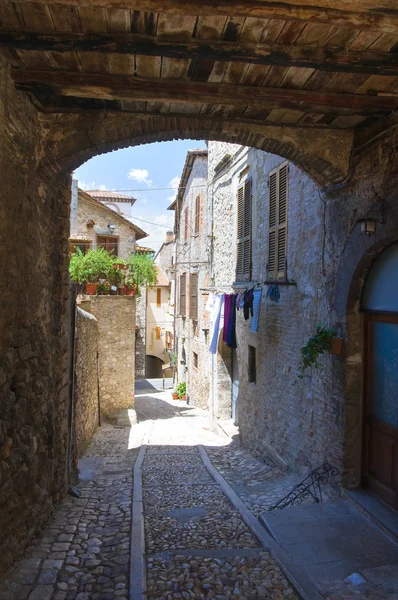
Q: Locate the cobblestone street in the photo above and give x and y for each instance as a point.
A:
(198, 542)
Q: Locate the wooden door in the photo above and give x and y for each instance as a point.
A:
(381, 405)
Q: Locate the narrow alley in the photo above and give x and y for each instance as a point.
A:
(168, 510)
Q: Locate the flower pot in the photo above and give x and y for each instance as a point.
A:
(174, 396)
(183, 397)
(91, 288)
(122, 290)
(336, 346)
(130, 291)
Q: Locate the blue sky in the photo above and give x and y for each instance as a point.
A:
(142, 168)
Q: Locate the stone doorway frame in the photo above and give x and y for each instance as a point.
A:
(355, 360)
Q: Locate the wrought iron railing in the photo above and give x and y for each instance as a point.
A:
(310, 487)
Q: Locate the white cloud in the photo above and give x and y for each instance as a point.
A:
(163, 219)
(140, 175)
(174, 183)
(92, 186)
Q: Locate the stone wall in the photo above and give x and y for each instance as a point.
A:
(140, 338)
(305, 422)
(116, 348)
(86, 416)
(90, 209)
(34, 384)
(193, 257)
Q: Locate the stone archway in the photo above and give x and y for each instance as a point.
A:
(70, 140)
(350, 281)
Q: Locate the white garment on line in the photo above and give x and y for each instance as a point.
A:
(214, 306)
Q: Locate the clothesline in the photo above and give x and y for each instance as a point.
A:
(250, 285)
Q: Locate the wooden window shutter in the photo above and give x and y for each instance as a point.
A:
(183, 292)
(158, 333)
(197, 215)
(244, 249)
(194, 297)
(277, 231)
(158, 297)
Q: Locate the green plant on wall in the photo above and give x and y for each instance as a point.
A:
(318, 344)
(90, 267)
(142, 271)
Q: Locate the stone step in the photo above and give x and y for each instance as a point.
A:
(375, 510)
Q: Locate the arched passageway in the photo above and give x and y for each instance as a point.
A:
(77, 80)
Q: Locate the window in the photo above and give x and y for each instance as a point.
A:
(111, 244)
(158, 333)
(83, 245)
(252, 364)
(183, 295)
(186, 224)
(195, 360)
(277, 233)
(159, 297)
(169, 340)
(197, 215)
(244, 250)
(194, 297)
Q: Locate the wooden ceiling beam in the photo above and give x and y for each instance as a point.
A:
(360, 14)
(130, 87)
(380, 63)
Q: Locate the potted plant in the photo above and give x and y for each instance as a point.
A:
(103, 289)
(174, 395)
(182, 390)
(115, 279)
(120, 263)
(89, 268)
(142, 271)
(324, 340)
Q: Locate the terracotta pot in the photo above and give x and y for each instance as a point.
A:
(336, 347)
(91, 288)
(183, 397)
(130, 291)
(122, 290)
(174, 396)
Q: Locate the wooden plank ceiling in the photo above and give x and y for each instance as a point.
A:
(319, 64)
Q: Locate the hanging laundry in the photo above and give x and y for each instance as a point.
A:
(240, 300)
(273, 292)
(230, 325)
(227, 310)
(213, 307)
(256, 309)
(248, 304)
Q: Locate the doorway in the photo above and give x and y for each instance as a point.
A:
(380, 448)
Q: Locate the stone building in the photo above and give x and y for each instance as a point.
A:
(327, 106)
(193, 244)
(141, 318)
(120, 203)
(160, 325)
(95, 225)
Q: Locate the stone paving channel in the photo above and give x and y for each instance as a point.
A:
(197, 545)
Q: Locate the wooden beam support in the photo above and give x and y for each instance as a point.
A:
(361, 14)
(130, 87)
(380, 63)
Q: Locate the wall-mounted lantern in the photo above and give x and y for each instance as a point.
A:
(367, 227)
(111, 227)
